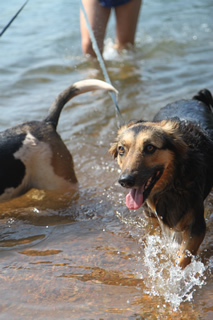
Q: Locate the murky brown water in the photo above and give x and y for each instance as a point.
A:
(84, 255)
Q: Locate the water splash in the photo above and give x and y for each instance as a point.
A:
(165, 278)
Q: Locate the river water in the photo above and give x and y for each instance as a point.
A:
(86, 256)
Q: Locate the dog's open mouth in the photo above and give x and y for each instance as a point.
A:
(137, 196)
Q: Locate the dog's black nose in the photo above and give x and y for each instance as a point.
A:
(127, 180)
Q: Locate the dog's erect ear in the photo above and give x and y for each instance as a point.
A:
(113, 150)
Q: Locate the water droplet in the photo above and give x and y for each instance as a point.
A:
(167, 279)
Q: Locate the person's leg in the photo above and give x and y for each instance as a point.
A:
(98, 17)
(126, 23)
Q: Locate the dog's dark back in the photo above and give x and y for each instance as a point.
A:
(197, 110)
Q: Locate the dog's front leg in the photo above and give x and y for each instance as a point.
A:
(193, 236)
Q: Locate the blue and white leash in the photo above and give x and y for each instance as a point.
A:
(101, 62)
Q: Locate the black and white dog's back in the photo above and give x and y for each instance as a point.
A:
(33, 155)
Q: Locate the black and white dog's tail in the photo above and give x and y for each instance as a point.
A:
(205, 96)
(72, 91)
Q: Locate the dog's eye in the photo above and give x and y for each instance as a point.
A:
(149, 149)
(121, 150)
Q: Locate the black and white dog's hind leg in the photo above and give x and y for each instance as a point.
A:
(33, 155)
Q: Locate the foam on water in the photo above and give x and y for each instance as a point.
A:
(111, 54)
(164, 277)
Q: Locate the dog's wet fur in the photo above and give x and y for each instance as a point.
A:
(168, 165)
(33, 155)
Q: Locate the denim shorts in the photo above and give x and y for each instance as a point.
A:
(112, 3)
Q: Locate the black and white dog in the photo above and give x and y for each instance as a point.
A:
(33, 155)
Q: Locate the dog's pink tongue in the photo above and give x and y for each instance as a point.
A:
(134, 198)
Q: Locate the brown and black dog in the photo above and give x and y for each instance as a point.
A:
(33, 155)
(168, 163)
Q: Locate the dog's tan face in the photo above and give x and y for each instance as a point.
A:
(146, 153)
